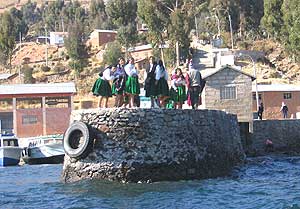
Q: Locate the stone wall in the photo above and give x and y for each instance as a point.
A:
(242, 105)
(145, 145)
(285, 135)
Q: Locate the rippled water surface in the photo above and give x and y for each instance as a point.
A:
(268, 182)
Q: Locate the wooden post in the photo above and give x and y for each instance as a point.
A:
(44, 115)
(15, 116)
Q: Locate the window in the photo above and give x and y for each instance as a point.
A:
(6, 104)
(29, 119)
(29, 103)
(228, 92)
(57, 102)
(287, 95)
(254, 96)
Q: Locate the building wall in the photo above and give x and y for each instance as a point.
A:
(272, 104)
(137, 55)
(105, 38)
(28, 130)
(283, 133)
(241, 106)
(57, 120)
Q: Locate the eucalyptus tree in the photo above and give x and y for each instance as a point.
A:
(169, 19)
(290, 32)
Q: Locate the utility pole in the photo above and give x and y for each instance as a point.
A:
(19, 68)
(46, 41)
(62, 24)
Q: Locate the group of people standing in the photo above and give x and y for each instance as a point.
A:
(126, 88)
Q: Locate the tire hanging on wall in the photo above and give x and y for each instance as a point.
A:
(78, 140)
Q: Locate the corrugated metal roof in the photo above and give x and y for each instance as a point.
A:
(209, 72)
(105, 31)
(4, 76)
(276, 87)
(41, 88)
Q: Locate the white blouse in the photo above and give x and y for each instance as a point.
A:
(107, 74)
(130, 70)
(160, 73)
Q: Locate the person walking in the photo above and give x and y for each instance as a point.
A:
(260, 111)
(150, 80)
(284, 110)
(132, 88)
(194, 85)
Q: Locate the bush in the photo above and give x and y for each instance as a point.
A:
(28, 74)
(112, 53)
(59, 68)
(45, 68)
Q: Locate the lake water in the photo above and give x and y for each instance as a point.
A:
(266, 182)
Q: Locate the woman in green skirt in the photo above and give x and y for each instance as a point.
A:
(178, 91)
(132, 87)
(102, 87)
(162, 88)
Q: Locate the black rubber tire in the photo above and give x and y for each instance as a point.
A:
(78, 140)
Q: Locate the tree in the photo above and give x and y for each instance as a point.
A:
(28, 78)
(272, 19)
(112, 53)
(30, 13)
(290, 34)
(75, 47)
(123, 14)
(175, 17)
(7, 35)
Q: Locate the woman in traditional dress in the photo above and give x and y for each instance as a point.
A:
(132, 83)
(161, 77)
(118, 85)
(150, 80)
(178, 91)
(102, 87)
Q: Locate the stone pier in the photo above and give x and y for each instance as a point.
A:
(149, 145)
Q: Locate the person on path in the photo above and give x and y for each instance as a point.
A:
(161, 78)
(194, 85)
(150, 80)
(102, 87)
(132, 88)
(260, 111)
(284, 110)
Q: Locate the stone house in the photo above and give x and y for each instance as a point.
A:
(273, 95)
(230, 90)
(101, 37)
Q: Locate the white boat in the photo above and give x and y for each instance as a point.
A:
(44, 150)
(10, 152)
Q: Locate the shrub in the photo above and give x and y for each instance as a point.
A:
(28, 78)
(45, 68)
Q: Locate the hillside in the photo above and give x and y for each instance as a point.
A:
(8, 4)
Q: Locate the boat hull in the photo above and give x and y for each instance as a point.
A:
(10, 156)
(44, 160)
(44, 154)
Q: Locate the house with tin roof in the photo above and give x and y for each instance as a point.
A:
(29, 110)
(273, 95)
(228, 89)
